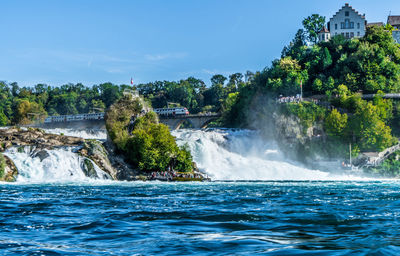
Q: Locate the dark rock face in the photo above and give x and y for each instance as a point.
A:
(95, 151)
(42, 154)
(88, 169)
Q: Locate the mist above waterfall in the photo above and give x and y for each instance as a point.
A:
(226, 154)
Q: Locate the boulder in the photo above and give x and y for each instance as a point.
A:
(8, 170)
(42, 154)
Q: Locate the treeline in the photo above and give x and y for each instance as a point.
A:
(23, 105)
(193, 93)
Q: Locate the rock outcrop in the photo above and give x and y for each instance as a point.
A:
(35, 137)
(8, 171)
(95, 151)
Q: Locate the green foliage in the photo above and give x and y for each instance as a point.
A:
(29, 104)
(149, 146)
(307, 112)
(2, 166)
(335, 123)
(369, 130)
(313, 25)
(118, 118)
(3, 119)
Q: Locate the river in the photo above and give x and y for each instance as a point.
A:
(289, 210)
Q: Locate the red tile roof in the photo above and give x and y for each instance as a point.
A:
(324, 29)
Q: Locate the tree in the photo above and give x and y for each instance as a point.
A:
(218, 79)
(110, 93)
(3, 119)
(335, 123)
(235, 80)
(294, 49)
(313, 25)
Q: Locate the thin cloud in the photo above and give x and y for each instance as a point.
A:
(215, 72)
(160, 57)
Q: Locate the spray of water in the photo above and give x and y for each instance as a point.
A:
(242, 155)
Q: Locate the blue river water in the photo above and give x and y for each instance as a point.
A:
(215, 218)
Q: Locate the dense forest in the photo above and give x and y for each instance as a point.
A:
(28, 104)
(333, 76)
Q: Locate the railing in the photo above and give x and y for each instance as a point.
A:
(74, 118)
(385, 96)
(382, 156)
(188, 116)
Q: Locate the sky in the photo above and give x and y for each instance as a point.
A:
(95, 41)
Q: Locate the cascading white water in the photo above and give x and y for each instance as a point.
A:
(226, 154)
(59, 165)
(97, 134)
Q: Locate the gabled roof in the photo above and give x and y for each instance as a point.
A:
(349, 6)
(394, 20)
(324, 30)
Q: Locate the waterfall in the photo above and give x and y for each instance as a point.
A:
(226, 154)
(56, 165)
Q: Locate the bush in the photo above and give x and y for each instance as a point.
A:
(145, 143)
(2, 166)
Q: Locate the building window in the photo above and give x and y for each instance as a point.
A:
(335, 33)
(358, 33)
(342, 34)
(346, 14)
(351, 34)
(358, 25)
(347, 35)
(347, 24)
(335, 26)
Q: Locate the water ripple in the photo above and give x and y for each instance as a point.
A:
(219, 218)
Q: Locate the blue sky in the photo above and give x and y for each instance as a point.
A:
(95, 41)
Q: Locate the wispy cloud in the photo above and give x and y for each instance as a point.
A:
(160, 57)
(215, 71)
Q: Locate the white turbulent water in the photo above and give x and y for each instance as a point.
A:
(62, 165)
(223, 154)
(226, 154)
(97, 134)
